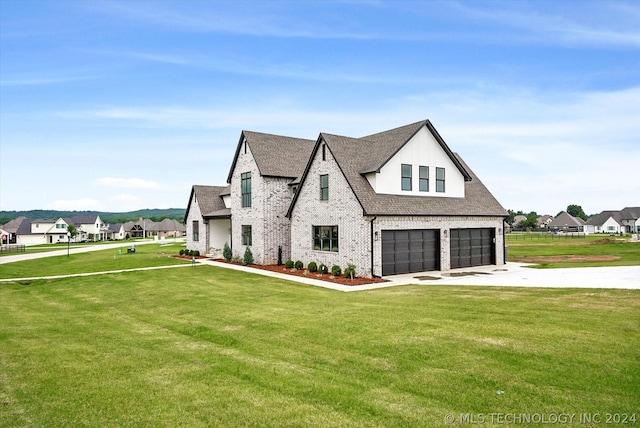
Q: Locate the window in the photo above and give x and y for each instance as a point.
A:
(324, 152)
(246, 189)
(424, 178)
(406, 177)
(439, 179)
(324, 187)
(246, 235)
(196, 231)
(325, 238)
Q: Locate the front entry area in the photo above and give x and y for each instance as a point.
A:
(409, 251)
(472, 247)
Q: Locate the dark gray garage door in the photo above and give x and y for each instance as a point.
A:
(407, 251)
(472, 247)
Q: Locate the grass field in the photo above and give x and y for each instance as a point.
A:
(593, 250)
(217, 347)
(147, 255)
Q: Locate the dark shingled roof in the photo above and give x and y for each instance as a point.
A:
(600, 219)
(209, 199)
(630, 213)
(275, 155)
(377, 150)
(565, 219)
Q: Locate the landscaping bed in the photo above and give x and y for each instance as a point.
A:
(306, 274)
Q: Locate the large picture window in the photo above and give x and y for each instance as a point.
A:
(439, 179)
(406, 177)
(246, 189)
(325, 238)
(324, 187)
(424, 178)
(246, 234)
(196, 230)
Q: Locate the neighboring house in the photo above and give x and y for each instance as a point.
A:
(606, 222)
(399, 201)
(115, 232)
(517, 219)
(42, 231)
(631, 219)
(544, 220)
(9, 230)
(565, 222)
(208, 219)
(89, 227)
(167, 228)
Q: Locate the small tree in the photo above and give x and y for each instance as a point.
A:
(248, 256)
(71, 229)
(323, 269)
(226, 252)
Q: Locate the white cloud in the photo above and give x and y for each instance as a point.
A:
(137, 183)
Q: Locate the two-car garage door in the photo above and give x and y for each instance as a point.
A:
(418, 250)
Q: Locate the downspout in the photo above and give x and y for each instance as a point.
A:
(372, 220)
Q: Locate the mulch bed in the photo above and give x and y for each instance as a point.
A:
(306, 274)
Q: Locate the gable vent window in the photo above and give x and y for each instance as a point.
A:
(324, 152)
(324, 187)
(424, 178)
(440, 180)
(245, 179)
(406, 177)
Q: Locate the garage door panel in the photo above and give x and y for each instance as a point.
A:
(408, 251)
(472, 247)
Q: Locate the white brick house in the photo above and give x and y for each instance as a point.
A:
(399, 201)
(208, 219)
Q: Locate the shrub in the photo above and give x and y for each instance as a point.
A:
(279, 255)
(196, 253)
(248, 256)
(289, 264)
(323, 268)
(298, 264)
(335, 270)
(226, 252)
(182, 252)
(312, 267)
(350, 271)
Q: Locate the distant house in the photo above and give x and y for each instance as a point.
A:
(631, 219)
(208, 219)
(147, 228)
(115, 232)
(89, 227)
(626, 220)
(606, 222)
(399, 201)
(9, 230)
(544, 220)
(42, 231)
(565, 222)
(517, 219)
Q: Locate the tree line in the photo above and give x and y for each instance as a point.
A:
(532, 217)
(108, 217)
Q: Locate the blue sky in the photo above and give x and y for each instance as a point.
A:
(123, 105)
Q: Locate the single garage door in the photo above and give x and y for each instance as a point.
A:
(408, 251)
(472, 247)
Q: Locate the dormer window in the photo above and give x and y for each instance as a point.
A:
(440, 180)
(406, 176)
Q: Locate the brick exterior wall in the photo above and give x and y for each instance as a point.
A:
(341, 209)
(270, 200)
(202, 244)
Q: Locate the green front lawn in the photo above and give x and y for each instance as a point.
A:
(217, 347)
(147, 255)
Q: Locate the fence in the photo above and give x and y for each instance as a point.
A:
(12, 249)
(522, 236)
